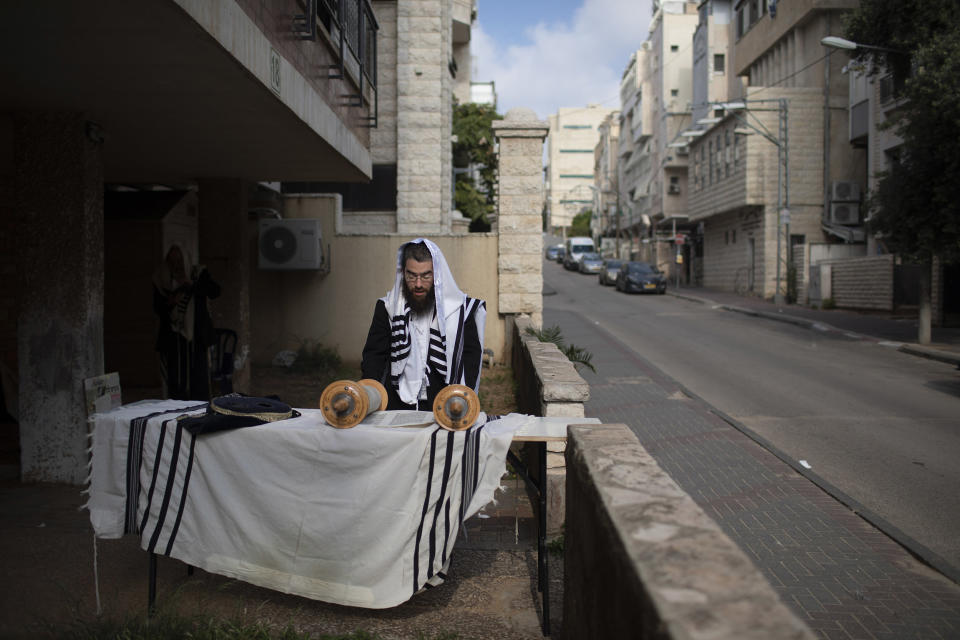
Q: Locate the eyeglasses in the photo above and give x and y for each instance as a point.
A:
(425, 278)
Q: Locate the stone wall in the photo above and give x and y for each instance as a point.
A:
(549, 385)
(519, 203)
(642, 560)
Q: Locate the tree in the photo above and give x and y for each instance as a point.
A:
(474, 147)
(915, 208)
(580, 225)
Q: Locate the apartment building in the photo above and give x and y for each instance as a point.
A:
(181, 102)
(764, 162)
(605, 221)
(636, 129)
(574, 133)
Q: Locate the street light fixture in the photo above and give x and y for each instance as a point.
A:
(837, 42)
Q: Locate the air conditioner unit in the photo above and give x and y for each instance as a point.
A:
(290, 244)
(845, 192)
(845, 213)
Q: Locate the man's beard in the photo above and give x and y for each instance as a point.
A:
(418, 307)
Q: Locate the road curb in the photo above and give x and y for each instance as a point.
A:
(931, 353)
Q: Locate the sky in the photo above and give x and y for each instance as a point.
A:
(547, 54)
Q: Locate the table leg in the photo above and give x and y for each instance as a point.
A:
(152, 585)
(539, 487)
(543, 570)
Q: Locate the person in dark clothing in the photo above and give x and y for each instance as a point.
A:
(425, 333)
(185, 330)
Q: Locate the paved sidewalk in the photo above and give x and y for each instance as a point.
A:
(844, 577)
(878, 326)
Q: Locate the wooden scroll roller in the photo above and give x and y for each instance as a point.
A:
(456, 407)
(346, 403)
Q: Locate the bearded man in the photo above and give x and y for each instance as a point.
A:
(426, 333)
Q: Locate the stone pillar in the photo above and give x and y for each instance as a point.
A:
(423, 117)
(58, 187)
(519, 222)
(225, 251)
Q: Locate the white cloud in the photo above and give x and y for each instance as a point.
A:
(564, 64)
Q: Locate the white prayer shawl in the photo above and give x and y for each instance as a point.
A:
(445, 351)
(364, 517)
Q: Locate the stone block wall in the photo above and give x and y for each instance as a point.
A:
(642, 560)
(549, 386)
(520, 200)
(863, 283)
(424, 111)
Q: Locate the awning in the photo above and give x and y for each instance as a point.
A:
(849, 235)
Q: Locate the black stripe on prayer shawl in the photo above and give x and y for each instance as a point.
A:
(171, 477)
(138, 428)
(465, 459)
(448, 457)
(476, 463)
(446, 531)
(183, 495)
(156, 470)
(423, 515)
(469, 468)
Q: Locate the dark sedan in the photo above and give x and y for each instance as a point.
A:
(642, 277)
(608, 274)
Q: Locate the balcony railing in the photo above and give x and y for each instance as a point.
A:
(350, 27)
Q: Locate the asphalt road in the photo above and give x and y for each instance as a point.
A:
(881, 426)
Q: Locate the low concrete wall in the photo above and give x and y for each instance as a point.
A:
(863, 283)
(549, 385)
(642, 560)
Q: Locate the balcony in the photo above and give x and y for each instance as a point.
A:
(349, 28)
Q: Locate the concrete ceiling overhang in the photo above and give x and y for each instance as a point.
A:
(172, 102)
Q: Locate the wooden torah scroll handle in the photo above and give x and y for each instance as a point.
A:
(456, 407)
(346, 403)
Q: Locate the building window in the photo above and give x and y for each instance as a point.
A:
(726, 152)
(719, 62)
(674, 187)
(710, 156)
(576, 150)
(736, 151)
(577, 126)
(674, 48)
(674, 92)
(733, 237)
(577, 175)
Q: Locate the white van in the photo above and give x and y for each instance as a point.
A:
(576, 247)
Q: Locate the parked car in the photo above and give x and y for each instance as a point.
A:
(608, 273)
(561, 254)
(553, 250)
(642, 277)
(590, 263)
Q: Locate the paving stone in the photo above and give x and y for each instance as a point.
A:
(837, 572)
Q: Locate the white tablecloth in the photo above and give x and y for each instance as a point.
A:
(364, 516)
